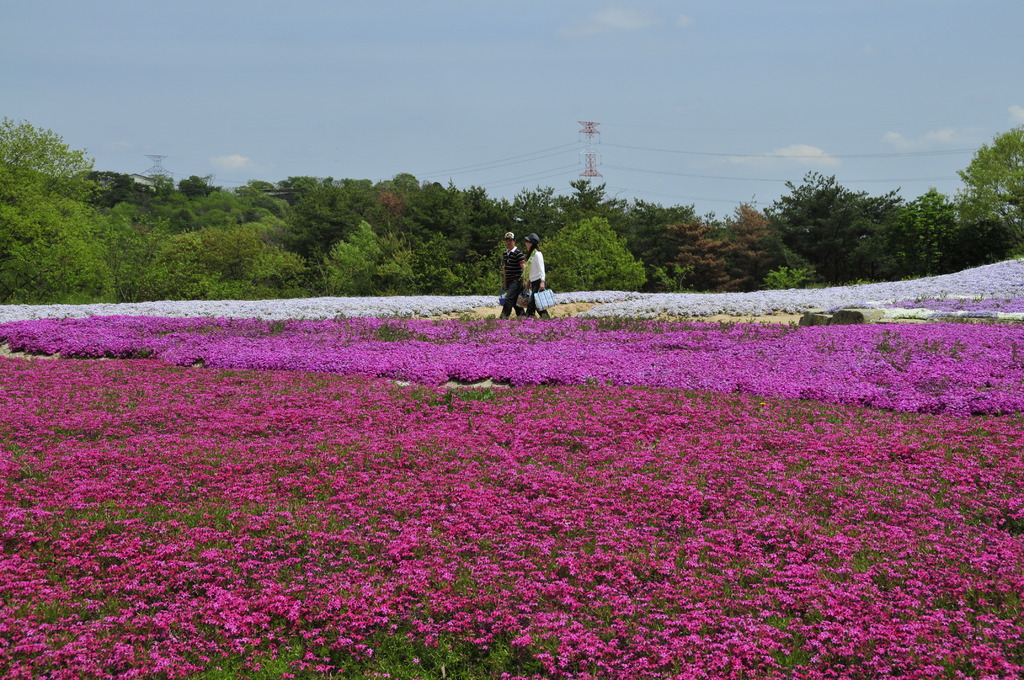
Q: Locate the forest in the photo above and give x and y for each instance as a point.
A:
(70, 233)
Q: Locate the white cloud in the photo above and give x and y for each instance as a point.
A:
(930, 140)
(232, 162)
(1017, 114)
(803, 154)
(612, 19)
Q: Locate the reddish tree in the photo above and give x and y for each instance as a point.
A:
(753, 248)
(699, 255)
(394, 211)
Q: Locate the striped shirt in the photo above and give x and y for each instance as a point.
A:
(513, 261)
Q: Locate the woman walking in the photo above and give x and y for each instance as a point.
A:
(535, 274)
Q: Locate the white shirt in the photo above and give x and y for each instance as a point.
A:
(535, 262)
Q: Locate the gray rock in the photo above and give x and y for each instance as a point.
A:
(854, 316)
(815, 317)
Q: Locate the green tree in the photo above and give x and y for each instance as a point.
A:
(329, 212)
(784, 278)
(924, 236)
(478, 276)
(841, 234)
(292, 189)
(49, 248)
(260, 199)
(435, 273)
(979, 243)
(453, 230)
(27, 151)
(433, 211)
(350, 268)
(196, 187)
(216, 209)
(131, 245)
(589, 255)
(232, 263)
(536, 211)
(112, 188)
(396, 273)
(994, 185)
(485, 220)
(162, 202)
(588, 201)
(647, 228)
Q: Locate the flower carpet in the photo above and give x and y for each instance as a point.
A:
(225, 497)
(161, 521)
(953, 368)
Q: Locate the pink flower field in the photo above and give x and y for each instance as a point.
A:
(312, 502)
(955, 368)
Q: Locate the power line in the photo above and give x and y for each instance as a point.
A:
(694, 175)
(676, 196)
(776, 181)
(901, 179)
(544, 174)
(950, 152)
(504, 162)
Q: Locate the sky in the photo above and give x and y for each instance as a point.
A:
(704, 103)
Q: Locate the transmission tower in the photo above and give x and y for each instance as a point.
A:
(590, 132)
(158, 169)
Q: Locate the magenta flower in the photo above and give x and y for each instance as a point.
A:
(159, 521)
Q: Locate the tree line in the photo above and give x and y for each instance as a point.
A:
(73, 234)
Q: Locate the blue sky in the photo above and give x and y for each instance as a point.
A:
(701, 103)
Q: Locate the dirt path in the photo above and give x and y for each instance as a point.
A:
(572, 309)
(559, 311)
(6, 351)
(729, 318)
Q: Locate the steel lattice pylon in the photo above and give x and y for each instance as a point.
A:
(158, 169)
(590, 156)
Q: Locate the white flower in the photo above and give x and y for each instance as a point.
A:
(1001, 280)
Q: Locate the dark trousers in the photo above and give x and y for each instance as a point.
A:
(531, 308)
(512, 299)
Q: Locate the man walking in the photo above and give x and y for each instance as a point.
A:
(512, 272)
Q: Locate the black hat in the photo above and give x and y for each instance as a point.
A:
(533, 238)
